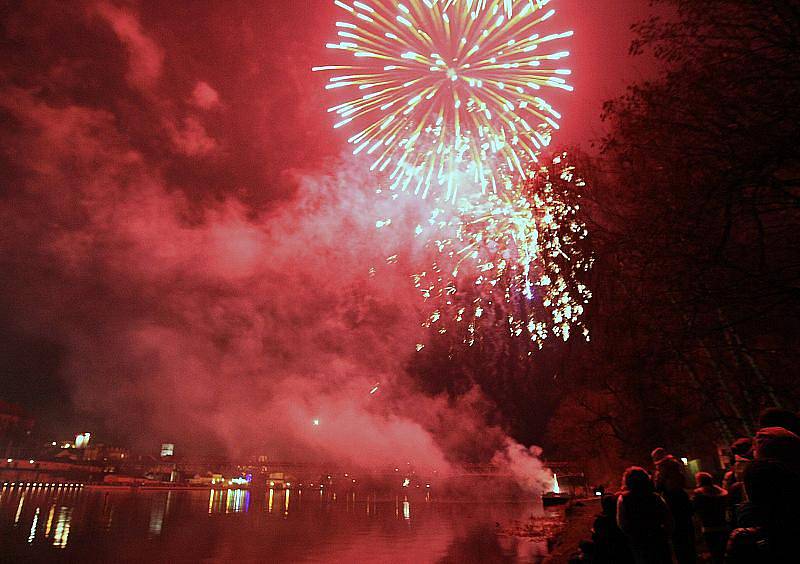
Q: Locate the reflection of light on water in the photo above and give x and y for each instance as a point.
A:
(62, 527)
(269, 502)
(310, 519)
(158, 511)
(33, 526)
(219, 502)
(108, 513)
(231, 501)
(19, 509)
(49, 525)
(237, 501)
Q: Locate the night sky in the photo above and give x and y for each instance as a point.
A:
(184, 248)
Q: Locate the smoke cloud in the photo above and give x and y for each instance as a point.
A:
(188, 310)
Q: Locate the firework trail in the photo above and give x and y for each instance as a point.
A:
(447, 93)
(516, 260)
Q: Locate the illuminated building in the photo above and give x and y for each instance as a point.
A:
(82, 440)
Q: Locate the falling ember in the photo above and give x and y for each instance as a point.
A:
(515, 260)
(447, 93)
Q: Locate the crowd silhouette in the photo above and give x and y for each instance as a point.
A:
(752, 516)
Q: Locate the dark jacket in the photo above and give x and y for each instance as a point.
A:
(710, 505)
(646, 521)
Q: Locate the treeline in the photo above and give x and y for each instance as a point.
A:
(694, 214)
(697, 231)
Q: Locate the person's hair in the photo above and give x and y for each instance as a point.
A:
(772, 486)
(778, 443)
(637, 481)
(704, 479)
(742, 446)
(658, 454)
(779, 417)
(608, 503)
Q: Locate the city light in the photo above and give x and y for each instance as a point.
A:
(82, 440)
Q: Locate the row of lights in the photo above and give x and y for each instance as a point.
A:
(42, 484)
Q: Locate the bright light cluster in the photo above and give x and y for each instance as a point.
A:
(444, 94)
(517, 260)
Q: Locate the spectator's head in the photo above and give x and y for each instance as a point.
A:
(704, 480)
(608, 503)
(658, 454)
(743, 446)
(779, 417)
(637, 481)
(772, 486)
(739, 466)
(778, 443)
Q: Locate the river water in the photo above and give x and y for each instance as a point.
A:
(39, 524)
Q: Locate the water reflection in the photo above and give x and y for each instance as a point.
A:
(158, 511)
(19, 509)
(290, 525)
(63, 523)
(32, 535)
(237, 501)
(49, 526)
(229, 501)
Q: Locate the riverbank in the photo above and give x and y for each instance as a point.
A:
(579, 517)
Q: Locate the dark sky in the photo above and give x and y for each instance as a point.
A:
(181, 247)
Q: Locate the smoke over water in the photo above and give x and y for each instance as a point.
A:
(184, 312)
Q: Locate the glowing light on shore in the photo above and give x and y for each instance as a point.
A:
(444, 94)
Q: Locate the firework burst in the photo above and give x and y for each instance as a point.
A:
(447, 93)
(516, 260)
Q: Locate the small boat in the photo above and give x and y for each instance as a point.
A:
(550, 499)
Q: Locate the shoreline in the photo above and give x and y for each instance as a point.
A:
(578, 519)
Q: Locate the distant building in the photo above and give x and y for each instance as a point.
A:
(167, 449)
(82, 440)
(105, 453)
(15, 428)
